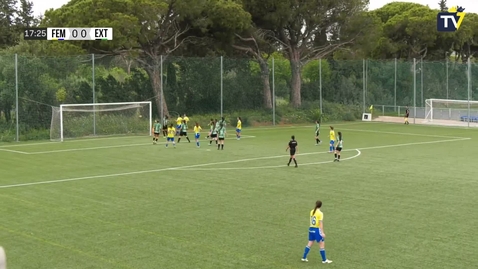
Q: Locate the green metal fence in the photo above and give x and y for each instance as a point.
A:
(211, 87)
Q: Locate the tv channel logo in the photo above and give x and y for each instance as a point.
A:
(450, 21)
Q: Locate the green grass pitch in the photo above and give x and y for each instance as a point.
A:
(403, 197)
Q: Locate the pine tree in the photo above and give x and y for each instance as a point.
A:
(442, 5)
(25, 14)
(9, 34)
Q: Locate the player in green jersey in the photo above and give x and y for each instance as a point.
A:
(214, 132)
(165, 126)
(317, 133)
(184, 131)
(221, 136)
(211, 127)
(338, 149)
(156, 131)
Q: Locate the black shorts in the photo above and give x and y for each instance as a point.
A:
(317, 133)
(221, 138)
(292, 152)
(165, 127)
(183, 134)
(156, 133)
(213, 135)
(406, 116)
(338, 149)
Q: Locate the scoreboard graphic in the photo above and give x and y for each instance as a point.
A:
(68, 34)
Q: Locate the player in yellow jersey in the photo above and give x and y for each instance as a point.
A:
(332, 139)
(238, 128)
(197, 133)
(171, 133)
(186, 118)
(179, 122)
(316, 232)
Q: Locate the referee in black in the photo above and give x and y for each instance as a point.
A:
(292, 148)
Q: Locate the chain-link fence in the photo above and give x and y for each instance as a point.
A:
(204, 88)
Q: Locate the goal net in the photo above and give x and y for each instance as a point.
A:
(461, 112)
(71, 121)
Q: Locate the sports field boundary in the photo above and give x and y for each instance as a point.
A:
(218, 163)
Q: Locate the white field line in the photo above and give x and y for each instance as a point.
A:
(425, 125)
(95, 148)
(396, 133)
(14, 151)
(217, 163)
(137, 136)
(268, 167)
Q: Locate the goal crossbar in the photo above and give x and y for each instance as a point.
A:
(451, 101)
(106, 104)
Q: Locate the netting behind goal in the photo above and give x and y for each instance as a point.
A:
(108, 119)
(446, 111)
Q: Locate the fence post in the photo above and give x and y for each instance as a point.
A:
(94, 92)
(17, 138)
(447, 95)
(161, 91)
(469, 89)
(320, 86)
(421, 82)
(414, 89)
(395, 88)
(363, 85)
(222, 88)
(273, 93)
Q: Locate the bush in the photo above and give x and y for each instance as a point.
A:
(111, 124)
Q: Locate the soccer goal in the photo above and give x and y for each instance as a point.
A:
(71, 121)
(451, 110)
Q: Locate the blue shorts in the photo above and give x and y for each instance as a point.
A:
(178, 126)
(238, 130)
(171, 139)
(332, 142)
(197, 136)
(314, 235)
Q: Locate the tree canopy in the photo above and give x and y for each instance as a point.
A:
(174, 47)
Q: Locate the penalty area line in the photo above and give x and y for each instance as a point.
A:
(97, 148)
(14, 151)
(218, 163)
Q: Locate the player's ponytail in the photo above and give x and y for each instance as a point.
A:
(318, 204)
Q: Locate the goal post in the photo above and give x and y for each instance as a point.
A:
(452, 110)
(71, 121)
